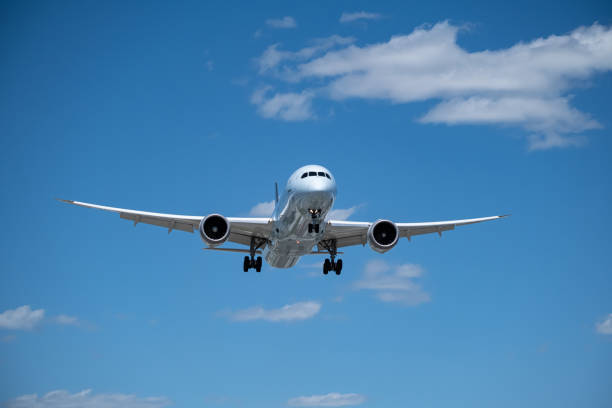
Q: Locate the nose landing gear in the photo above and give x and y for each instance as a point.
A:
(315, 215)
(313, 228)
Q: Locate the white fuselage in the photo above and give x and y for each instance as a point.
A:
(305, 200)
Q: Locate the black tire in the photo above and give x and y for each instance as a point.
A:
(310, 228)
(316, 228)
(338, 266)
(258, 263)
(247, 264)
(326, 266)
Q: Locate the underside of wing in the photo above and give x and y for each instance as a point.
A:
(408, 229)
(347, 233)
(187, 223)
(241, 229)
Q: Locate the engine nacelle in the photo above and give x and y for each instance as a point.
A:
(383, 235)
(214, 229)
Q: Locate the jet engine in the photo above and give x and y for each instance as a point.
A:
(383, 235)
(214, 229)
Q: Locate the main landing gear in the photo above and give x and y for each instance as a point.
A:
(252, 262)
(330, 263)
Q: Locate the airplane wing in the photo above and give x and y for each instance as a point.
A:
(241, 229)
(347, 233)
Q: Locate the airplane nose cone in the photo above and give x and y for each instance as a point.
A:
(321, 186)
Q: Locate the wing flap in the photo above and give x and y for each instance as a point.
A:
(171, 224)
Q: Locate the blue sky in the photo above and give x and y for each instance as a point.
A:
(422, 112)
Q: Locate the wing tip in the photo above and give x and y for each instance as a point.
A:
(65, 201)
(504, 215)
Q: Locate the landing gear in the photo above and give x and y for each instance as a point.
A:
(313, 227)
(330, 263)
(252, 262)
(315, 214)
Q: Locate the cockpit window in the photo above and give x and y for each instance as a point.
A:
(312, 173)
(321, 174)
(304, 175)
(327, 175)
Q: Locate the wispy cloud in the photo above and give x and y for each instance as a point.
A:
(285, 22)
(21, 318)
(66, 320)
(287, 313)
(264, 209)
(393, 283)
(347, 17)
(342, 214)
(285, 106)
(605, 326)
(273, 56)
(24, 318)
(333, 399)
(86, 399)
(524, 85)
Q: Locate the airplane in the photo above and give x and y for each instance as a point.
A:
(298, 224)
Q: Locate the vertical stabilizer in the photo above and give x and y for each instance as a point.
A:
(276, 192)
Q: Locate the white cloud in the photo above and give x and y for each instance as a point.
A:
(393, 283)
(264, 209)
(285, 22)
(273, 56)
(67, 320)
(85, 399)
(22, 318)
(605, 326)
(287, 313)
(285, 106)
(333, 399)
(358, 15)
(524, 85)
(341, 214)
(547, 118)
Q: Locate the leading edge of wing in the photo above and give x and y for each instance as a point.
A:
(453, 222)
(358, 224)
(135, 212)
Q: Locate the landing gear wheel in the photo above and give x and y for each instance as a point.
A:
(326, 266)
(247, 264)
(258, 264)
(338, 267)
(310, 228)
(316, 228)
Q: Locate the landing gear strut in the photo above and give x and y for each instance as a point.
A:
(315, 215)
(330, 263)
(313, 227)
(252, 262)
